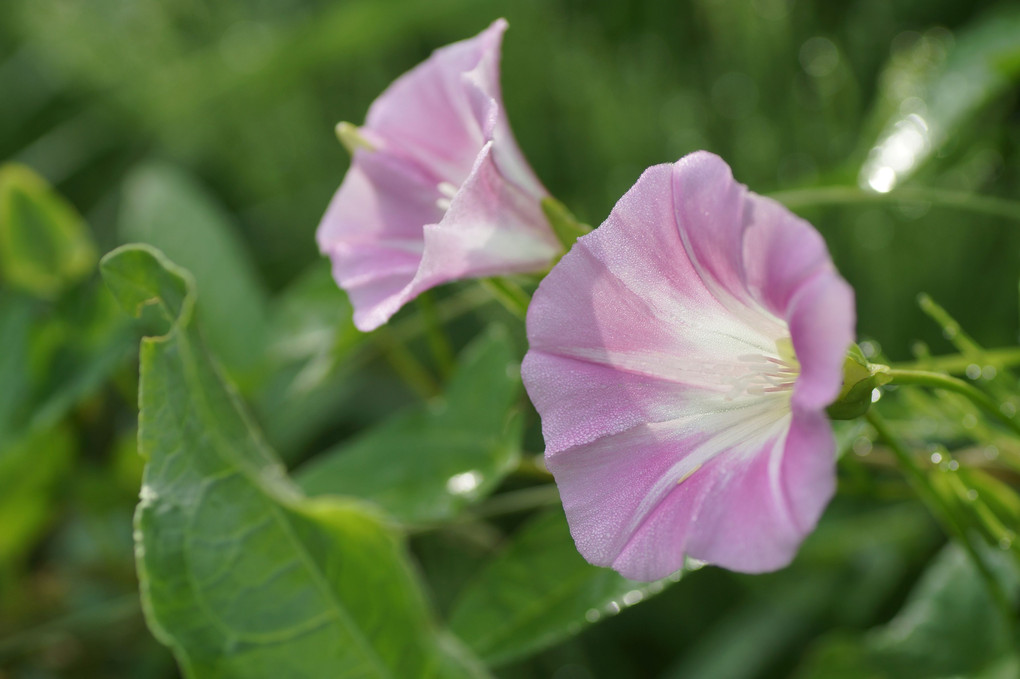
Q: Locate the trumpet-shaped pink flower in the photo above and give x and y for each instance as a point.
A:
(682, 356)
(437, 189)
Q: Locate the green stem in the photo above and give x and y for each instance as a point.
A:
(949, 383)
(439, 343)
(941, 510)
(533, 466)
(851, 195)
(509, 294)
(406, 364)
(957, 363)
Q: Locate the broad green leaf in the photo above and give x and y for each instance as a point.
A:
(932, 90)
(948, 628)
(240, 574)
(538, 591)
(165, 208)
(426, 465)
(45, 246)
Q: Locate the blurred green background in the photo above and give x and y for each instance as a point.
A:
(157, 119)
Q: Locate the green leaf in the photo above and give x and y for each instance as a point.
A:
(240, 574)
(45, 245)
(538, 591)
(931, 91)
(30, 470)
(948, 628)
(165, 208)
(426, 465)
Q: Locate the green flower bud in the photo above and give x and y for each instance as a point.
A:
(860, 379)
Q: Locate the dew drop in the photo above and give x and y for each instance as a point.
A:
(632, 597)
(952, 465)
(876, 394)
(989, 372)
(973, 371)
(862, 445)
(592, 615)
(936, 457)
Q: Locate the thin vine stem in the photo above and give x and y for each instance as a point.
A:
(439, 343)
(509, 294)
(936, 380)
(851, 195)
(958, 363)
(941, 510)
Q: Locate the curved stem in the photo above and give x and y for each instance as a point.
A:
(851, 195)
(949, 383)
(509, 294)
(957, 363)
(942, 511)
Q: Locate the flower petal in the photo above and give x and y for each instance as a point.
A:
(493, 227)
(672, 495)
(438, 112)
(441, 190)
(672, 421)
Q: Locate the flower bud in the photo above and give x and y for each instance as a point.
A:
(860, 379)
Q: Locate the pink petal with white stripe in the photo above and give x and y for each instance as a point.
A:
(681, 357)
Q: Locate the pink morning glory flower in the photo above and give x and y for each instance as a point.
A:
(681, 357)
(437, 189)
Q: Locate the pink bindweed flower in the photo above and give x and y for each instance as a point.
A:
(682, 356)
(437, 189)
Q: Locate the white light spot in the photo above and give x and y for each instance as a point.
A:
(897, 155)
(613, 608)
(1008, 409)
(691, 565)
(953, 465)
(936, 458)
(463, 484)
(869, 348)
(147, 494)
(862, 445)
(882, 180)
(991, 453)
(876, 394)
(973, 371)
(633, 596)
(972, 495)
(592, 615)
(989, 372)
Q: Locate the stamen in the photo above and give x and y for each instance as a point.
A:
(448, 191)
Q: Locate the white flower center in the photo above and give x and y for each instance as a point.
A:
(767, 374)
